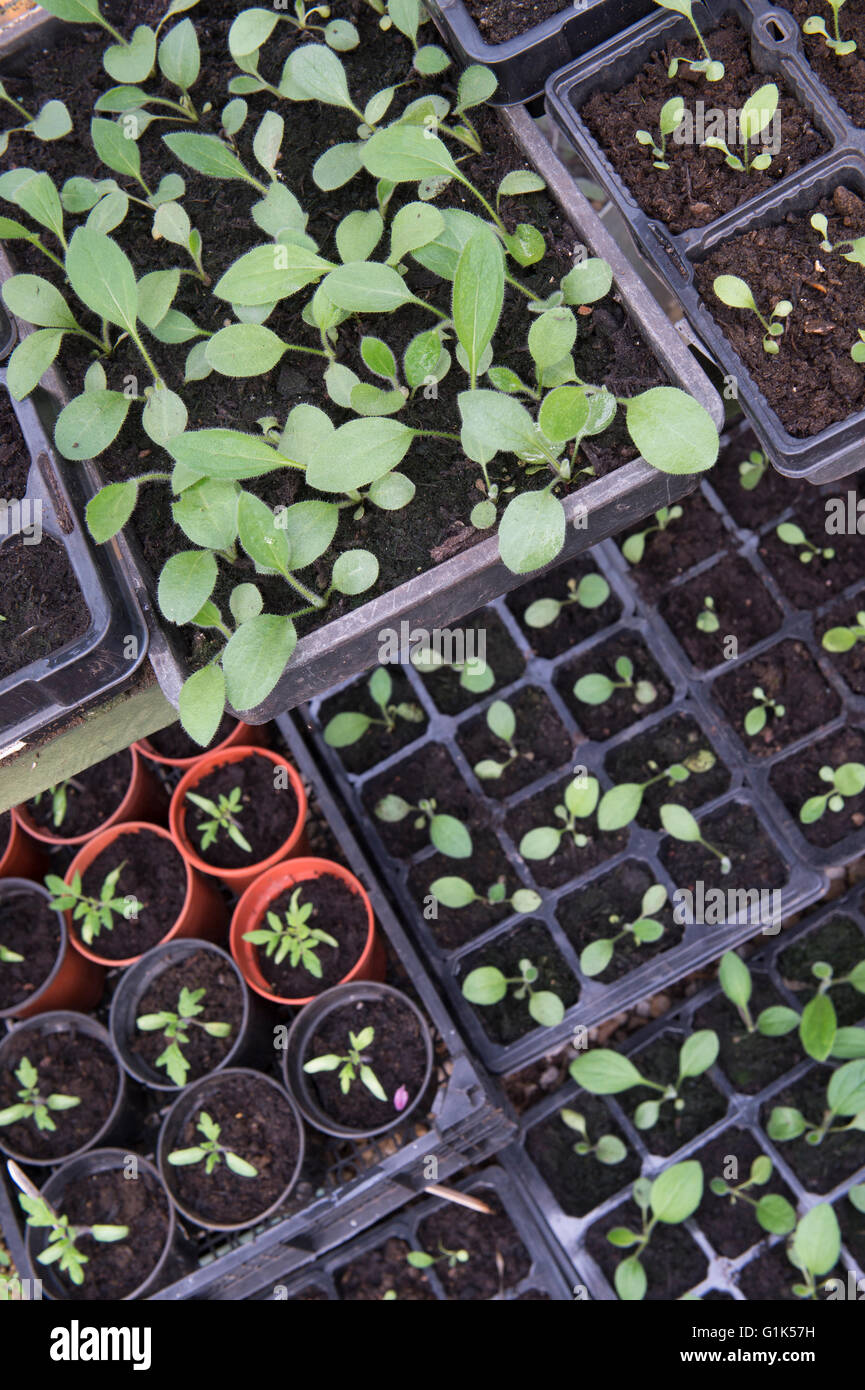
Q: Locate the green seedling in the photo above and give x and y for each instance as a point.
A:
(349, 727)
(448, 835)
(293, 938)
(59, 800)
(843, 639)
(606, 1073)
(752, 469)
(175, 1028)
(223, 818)
(454, 893)
(707, 619)
(52, 122)
(596, 688)
(129, 60)
(671, 1199)
(595, 957)
(815, 1248)
(420, 1259)
(773, 1212)
(851, 250)
(608, 1149)
(211, 1152)
(757, 716)
(814, 24)
(578, 803)
(757, 113)
(32, 1105)
(791, 534)
(678, 822)
(857, 351)
(487, 985)
(501, 722)
(95, 914)
(712, 70)
(845, 1098)
(848, 780)
(8, 956)
(817, 1024)
(735, 292)
(352, 1065)
(622, 803)
(672, 115)
(474, 674)
(591, 592)
(634, 547)
(62, 1248)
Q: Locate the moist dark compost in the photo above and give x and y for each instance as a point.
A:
(42, 607)
(500, 20)
(845, 76)
(91, 797)
(109, 1198)
(30, 928)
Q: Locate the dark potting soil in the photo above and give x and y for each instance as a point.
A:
(673, 1262)
(30, 928)
(787, 674)
(378, 742)
(574, 623)
(430, 775)
(819, 1167)
(748, 1060)
(698, 187)
(570, 861)
(674, 742)
(695, 535)
(601, 908)
(69, 1064)
(14, 456)
(174, 743)
(769, 1278)
(267, 815)
(737, 833)
(608, 349)
(797, 779)
(850, 664)
(541, 740)
(488, 865)
(335, 910)
(845, 77)
(257, 1123)
(509, 1020)
(154, 872)
(91, 797)
(812, 382)
(600, 722)
(812, 582)
(486, 640)
(397, 1055)
(752, 509)
(111, 1199)
(384, 1270)
(497, 1261)
(222, 1002)
(500, 20)
(838, 941)
(579, 1182)
(731, 1227)
(43, 608)
(743, 608)
(704, 1104)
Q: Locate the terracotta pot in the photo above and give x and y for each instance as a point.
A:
(144, 800)
(235, 879)
(74, 983)
(203, 913)
(250, 913)
(21, 856)
(251, 735)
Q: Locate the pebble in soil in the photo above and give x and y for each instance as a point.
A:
(742, 605)
(682, 543)
(819, 1167)
(788, 676)
(570, 859)
(736, 832)
(155, 873)
(397, 1055)
(222, 1002)
(30, 929)
(838, 941)
(585, 916)
(497, 1261)
(91, 797)
(851, 664)
(267, 816)
(622, 707)
(509, 1020)
(574, 622)
(69, 1063)
(797, 779)
(541, 741)
(379, 741)
(731, 1227)
(579, 1182)
(844, 76)
(749, 1060)
(675, 742)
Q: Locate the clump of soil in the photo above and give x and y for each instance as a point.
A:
(845, 77)
(787, 675)
(500, 20)
(578, 1182)
(683, 542)
(385, 1270)
(42, 608)
(600, 722)
(742, 606)
(509, 1020)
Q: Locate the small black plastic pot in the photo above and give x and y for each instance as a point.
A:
(252, 1036)
(188, 1103)
(72, 982)
(301, 1033)
(57, 1286)
(118, 1123)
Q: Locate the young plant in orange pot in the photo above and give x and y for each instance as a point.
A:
(302, 927)
(119, 789)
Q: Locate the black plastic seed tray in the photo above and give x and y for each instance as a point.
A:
(522, 64)
(834, 452)
(636, 857)
(114, 642)
(544, 1279)
(345, 1186)
(544, 1166)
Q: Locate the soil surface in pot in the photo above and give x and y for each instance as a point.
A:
(797, 779)
(509, 1020)
(602, 907)
(743, 607)
(850, 664)
(500, 20)
(579, 1182)
(378, 742)
(789, 676)
(770, 1277)
(752, 508)
(43, 607)
(845, 77)
(30, 928)
(748, 1060)
(685, 540)
(819, 1167)
(154, 872)
(335, 910)
(488, 866)
(429, 775)
(222, 1002)
(397, 1055)
(838, 941)
(812, 382)
(600, 722)
(574, 623)
(384, 1270)
(675, 742)
(731, 1227)
(811, 582)
(108, 1198)
(486, 640)
(257, 1124)
(69, 1064)
(735, 831)
(91, 797)
(14, 455)
(704, 1104)
(267, 815)
(497, 1261)
(673, 1262)
(698, 187)
(570, 860)
(174, 743)
(541, 740)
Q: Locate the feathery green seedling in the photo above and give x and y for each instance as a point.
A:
(420, 1259)
(634, 547)
(773, 1212)
(596, 688)
(621, 803)
(795, 536)
(223, 815)
(815, 1248)
(678, 822)
(756, 114)
(501, 721)
(757, 716)
(591, 592)
(453, 892)
(752, 469)
(857, 351)
(712, 69)
(845, 1099)
(175, 1029)
(52, 122)
(672, 115)
(607, 1073)
(447, 834)
(608, 1149)
(842, 639)
(95, 914)
(487, 985)
(672, 1198)
(595, 957)
(211, 1152)
(352, 1065)
(32, 1105)
(707, 619)
(734, 291)
(62, 1246)
(578, 803)
(348, 728)
(293, 938)
(814, 24)
(847, 780)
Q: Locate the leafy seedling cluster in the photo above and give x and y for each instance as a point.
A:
(222, 818)
(210, 1152)
(293, 938)
(96, 914)
(487, 985)
(733, 291)
(349, 727)
(175, 1027)
(353, 1065)
(608, 1149)
(32, 1104)
(607, 1073)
